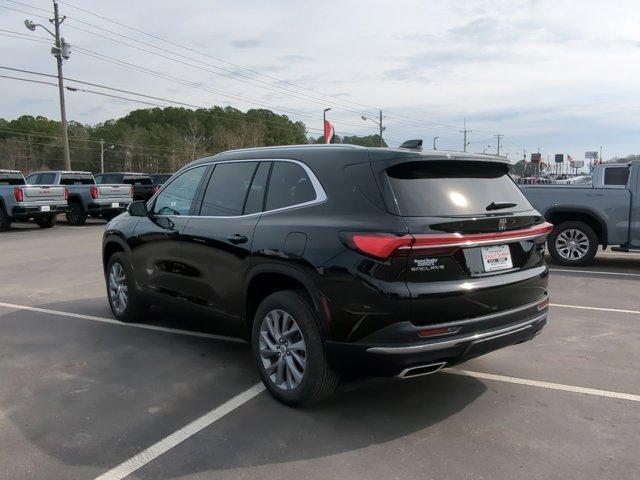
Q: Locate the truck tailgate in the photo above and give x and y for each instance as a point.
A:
(114, 191)
(43, 193)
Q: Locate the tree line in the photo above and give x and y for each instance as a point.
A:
(150, 140)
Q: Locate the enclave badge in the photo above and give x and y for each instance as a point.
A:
(502, 224)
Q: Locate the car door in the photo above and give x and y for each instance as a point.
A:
(218, 239)
(160, 266)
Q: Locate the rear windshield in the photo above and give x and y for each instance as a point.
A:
(76, 179)
(453, 188)
(138, 181)
(159, 179)
(11, 179)
(108, 178)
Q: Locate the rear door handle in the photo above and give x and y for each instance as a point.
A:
(237, 239)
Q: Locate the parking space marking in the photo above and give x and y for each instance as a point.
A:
(598, 309)
(548, 385)
(122, 324)
(596, 272)
(167, 443)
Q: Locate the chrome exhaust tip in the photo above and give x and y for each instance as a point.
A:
(420, 370)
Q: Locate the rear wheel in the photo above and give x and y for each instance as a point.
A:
(5, 221)
(121, 290)
(573, 244)
(47, 221)
(76, 214)
(289, 350)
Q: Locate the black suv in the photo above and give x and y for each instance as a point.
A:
(339, 258)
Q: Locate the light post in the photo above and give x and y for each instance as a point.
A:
(434, 142)
(379, 123)
(60, 50)
(484, 150)
(102, 150)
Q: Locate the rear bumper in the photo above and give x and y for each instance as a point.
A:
(106, 206)
(26, 211)
(397, 349)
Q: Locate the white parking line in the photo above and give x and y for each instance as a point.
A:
(598, 309)
(121, 324)
(596, 272)
(552, 386)
(167, 443)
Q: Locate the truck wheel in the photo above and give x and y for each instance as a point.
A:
(122, 292)
(289, 350)
(573, 244)
(47, 221)
(76, 214)
(5, 221)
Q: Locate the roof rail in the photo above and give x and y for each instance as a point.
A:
(412, 145)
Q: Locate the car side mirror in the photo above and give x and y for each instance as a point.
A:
(138, 209)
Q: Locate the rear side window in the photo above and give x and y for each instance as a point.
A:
(616, 176)
(289, 185)
(177, 198)
(227, 189)
(452, 188)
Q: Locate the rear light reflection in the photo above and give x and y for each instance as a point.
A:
(66, 193)
(543, 304)
(437, 332)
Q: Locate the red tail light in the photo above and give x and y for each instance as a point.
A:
(93, 191)
(383, 245)
(66, 194)
(154, 189)
(18, 194)
(131, 192)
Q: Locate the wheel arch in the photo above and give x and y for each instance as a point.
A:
(113, 243)
(585, 215)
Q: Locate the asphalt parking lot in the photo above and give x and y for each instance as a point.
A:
(85, 397)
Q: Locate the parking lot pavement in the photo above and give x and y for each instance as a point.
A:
(81, 394)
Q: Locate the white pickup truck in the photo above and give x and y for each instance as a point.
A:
(22, 202)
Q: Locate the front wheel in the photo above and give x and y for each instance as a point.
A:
(289, 350)
(47, 221)
(573, 244)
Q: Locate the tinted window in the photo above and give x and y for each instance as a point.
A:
(66, 179)
(227, 189)
(161, 178)
(137, 180)
(452, 188)
(616, 176)
(289, 185)
(255, 198)
(46, 179)
(108, 178)
(178, 196)
(11, 179)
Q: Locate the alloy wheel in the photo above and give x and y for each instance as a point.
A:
(572, 244)
(118, 290)
(282, 349)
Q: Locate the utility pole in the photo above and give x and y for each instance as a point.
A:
(101, 155)
(499, 136)
(465, 131)
(377, 122)
(600, 154)
(382, 128)
(61, 51)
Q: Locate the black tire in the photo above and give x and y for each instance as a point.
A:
(47, 221)
(5, 221)
(319, 380)
(561, 257)
(135, 310)
(76, 215)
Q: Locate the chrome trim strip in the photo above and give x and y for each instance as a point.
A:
(470, 244)
(428, 347)
(483, 318)
(321, 195)
(41, 203)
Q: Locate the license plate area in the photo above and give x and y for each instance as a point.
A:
(45, 208)
(115, 205)
(496, 258)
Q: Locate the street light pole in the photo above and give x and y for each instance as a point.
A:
(379, 123)
(434, 142)
(60, 50)
(102, 150)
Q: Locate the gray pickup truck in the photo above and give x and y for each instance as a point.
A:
(22, 202)
(605, 212)
(86, 198)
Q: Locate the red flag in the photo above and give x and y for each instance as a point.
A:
(328, 131)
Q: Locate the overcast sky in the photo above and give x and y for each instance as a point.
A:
(559, 75)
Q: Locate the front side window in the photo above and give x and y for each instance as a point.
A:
(289, 185)
(178, 197)
(227, 189)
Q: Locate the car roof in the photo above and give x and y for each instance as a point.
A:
(344, 153)
(125, 173)
(4, 170)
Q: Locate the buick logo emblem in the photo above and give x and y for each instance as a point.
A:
(502, 224)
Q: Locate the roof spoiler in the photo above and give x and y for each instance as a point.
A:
(412, 145)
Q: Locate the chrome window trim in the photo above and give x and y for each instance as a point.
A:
(321, 195)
